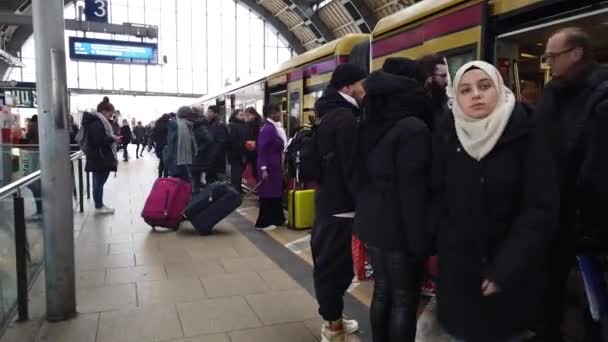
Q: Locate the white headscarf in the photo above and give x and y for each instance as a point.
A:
(479, 136)
(280, 130)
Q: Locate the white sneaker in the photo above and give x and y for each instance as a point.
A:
(104, 211)
(350, 326)
(266, 229)
(332, 336)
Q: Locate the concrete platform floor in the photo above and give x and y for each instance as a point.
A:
(135, 284)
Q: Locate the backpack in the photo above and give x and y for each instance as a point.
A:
(304, 161)
(82, 139)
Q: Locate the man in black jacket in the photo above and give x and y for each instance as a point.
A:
(159, 135)
(238, 132)
(337, 112)
(436, 72)
(574, 109)
(220, 139)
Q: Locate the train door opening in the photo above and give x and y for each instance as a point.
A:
(518, 54)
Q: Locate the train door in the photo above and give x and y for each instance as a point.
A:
(519, 54)
(293, 117)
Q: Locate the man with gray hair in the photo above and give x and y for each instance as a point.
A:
(574, 112)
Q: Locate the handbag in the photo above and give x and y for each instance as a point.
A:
(361, 263)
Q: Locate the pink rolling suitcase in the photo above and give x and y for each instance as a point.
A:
(166, 203)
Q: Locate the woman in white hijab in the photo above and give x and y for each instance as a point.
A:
(495, 209)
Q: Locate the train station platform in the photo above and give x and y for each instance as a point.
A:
(135, 284)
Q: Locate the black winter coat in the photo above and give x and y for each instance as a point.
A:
(127, 135)
(496, 218)
(393, 180)
(238, 134)
(140, 134)
(220, 139)
(159, 135)
(576, 116)
(101, 158)
(206, 146)
(337, 140)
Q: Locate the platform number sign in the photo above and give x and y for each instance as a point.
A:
(96, 10)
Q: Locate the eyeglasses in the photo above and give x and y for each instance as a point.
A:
(553, 55)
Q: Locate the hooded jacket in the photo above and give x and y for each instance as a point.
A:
(394, 160)
(337, 142)
(101, 158)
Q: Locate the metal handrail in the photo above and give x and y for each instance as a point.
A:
(29, 179)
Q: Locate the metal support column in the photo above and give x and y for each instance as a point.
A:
(80, 185)
(21, 257)
(51, 84)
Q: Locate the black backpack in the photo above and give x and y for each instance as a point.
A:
(304, 161)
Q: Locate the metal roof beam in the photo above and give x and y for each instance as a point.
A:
(366, 13)
(306, 8)
(291, 38)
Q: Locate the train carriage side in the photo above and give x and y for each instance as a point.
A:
(301, 81)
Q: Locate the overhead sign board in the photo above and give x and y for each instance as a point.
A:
(96, 10)
(113, 51)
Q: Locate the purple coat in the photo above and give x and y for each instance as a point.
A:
(270, 154)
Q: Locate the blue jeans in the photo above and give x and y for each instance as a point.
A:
(99, 180)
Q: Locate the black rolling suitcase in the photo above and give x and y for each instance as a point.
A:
(212, 205)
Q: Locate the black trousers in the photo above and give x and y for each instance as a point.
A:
(236, 174)
(125, 152)
(195, 179)
(396, 295)
(137, 153)
(271, 213)
(330, 244)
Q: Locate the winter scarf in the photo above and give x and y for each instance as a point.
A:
(186, 144)
(479, 136)
(280, 131)
(108, 128)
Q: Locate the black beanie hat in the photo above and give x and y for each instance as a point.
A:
(404, 67)
(345, 75)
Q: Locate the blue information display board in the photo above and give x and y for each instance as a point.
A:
(113, 51)
(96, 10)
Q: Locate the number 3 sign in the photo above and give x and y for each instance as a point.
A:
(96, 10)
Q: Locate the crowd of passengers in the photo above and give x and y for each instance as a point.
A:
(505, 193)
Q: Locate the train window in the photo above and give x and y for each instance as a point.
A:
(360, 55)
(458, 59)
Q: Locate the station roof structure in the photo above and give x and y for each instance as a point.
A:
(305, 24)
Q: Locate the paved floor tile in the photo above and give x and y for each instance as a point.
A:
(205, 338)
(212, 252)
(283, 307)
(234, 284)
(259, 263)
(90, 278)
(104, 298)
(82, 328)
(294, 332)
(97, 263)
(152, 323)
(22, 332)
(216, 316)
(133, 247)
(133, 274)
(161, 257)
(169, 291)
(278, 280)
(194, 269)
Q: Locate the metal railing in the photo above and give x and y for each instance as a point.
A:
(26, 267)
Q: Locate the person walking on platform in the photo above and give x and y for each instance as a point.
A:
(271, 143)
(220, 136)
(205, 156)
(100, 151)
(574, 109)
(392, 193)
(140, 139)
(254, 124)
(181, 144)
(495, 210)
(159, 135)
(149, 142)
(238, 132)
(331, 237)
(127, 135)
